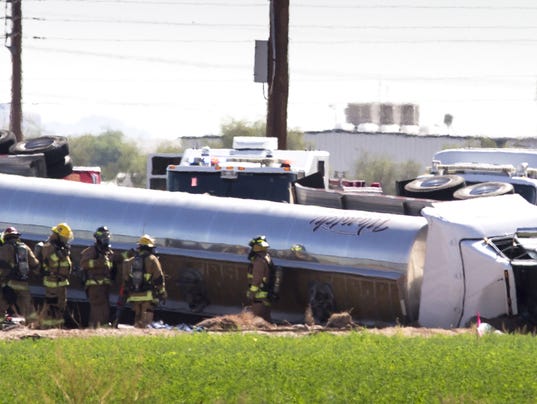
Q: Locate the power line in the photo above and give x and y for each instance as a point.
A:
(293, 26)
(171, 61)
(157, 40)
(334, 5)
(143, 22)
(161, 2)
(329, 42)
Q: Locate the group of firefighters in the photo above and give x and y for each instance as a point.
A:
(138, 273)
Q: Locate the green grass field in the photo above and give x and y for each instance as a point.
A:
(254, 368)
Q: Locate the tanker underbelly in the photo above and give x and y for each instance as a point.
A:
(209, 287)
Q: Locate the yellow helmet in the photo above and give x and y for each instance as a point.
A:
(63, 230)
(259, 243)
(146, 240)
(298, 248)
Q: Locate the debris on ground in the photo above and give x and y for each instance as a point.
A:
(340, 320)
(244, 321)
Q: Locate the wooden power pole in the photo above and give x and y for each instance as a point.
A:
(15, 47)
(278, 71)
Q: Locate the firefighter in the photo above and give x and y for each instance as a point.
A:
(143, 284)
(17, 263)
(96, 263)
(260, 278)
(55, 256)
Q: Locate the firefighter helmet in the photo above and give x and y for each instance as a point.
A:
(63, 231)
(259, 243)
(147, 241)
(11, 233)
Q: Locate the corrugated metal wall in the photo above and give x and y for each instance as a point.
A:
(346, 148)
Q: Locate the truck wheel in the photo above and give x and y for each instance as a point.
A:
(484, 189)
(7, 139)
(439, 187)
(61, 169)
(55, 148)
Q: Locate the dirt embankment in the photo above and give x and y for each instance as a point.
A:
(244, 322)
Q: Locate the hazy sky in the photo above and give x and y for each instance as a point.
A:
(169, 68)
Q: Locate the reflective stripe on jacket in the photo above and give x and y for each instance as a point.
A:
(57, 270)
(96, 265)
(141, 297)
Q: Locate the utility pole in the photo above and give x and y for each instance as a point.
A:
(278, 72)
(15, 47)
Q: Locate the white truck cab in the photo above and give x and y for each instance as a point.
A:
(254, 168)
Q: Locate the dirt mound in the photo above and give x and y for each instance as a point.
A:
(340, 320)
(245, 321)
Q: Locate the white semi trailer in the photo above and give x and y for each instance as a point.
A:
(436, 270)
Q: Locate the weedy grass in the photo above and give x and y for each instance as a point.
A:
(256, 368)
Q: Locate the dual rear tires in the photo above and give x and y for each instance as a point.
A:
(484, 189)
(55, 150)
(438, 187)
(450, 187)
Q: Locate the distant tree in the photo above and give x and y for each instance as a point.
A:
(295, 140)
(232, 128)
(385, 171)
(168, 147)
(110, 151)
(487, 142)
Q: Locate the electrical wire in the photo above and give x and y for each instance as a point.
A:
(192, 24)
(329, 42)
(329, 5)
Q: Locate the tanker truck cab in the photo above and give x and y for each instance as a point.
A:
(253, 169)
(474, 264)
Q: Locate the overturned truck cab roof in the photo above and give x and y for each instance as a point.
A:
(435, 270)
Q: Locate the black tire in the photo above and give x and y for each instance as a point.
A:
(484, 189)
(55, 148)
(61, 169)
(7, 139)
(439, 187)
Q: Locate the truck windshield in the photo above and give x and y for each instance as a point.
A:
(265, 186)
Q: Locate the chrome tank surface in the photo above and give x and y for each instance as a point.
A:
(364, 244)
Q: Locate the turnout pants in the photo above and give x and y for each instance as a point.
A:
(54, 308)
(143, 313)
(99, 305)
(261, 308)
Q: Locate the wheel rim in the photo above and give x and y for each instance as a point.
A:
(485, 189)
(38, 143)
(435, 182)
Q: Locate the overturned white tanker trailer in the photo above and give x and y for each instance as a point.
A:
(459, 258)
